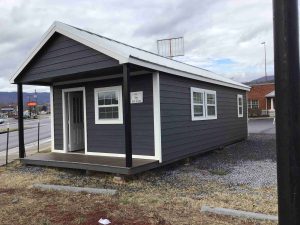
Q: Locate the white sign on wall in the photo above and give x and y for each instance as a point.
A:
(136, 97)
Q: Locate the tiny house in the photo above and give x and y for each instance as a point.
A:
(120, 109)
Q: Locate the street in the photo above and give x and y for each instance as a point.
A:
(30, 132)
(261, 126)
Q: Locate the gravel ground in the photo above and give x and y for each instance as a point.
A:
(251, 162)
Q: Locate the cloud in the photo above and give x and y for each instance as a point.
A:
(212, 30)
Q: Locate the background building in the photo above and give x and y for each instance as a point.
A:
(261, 98)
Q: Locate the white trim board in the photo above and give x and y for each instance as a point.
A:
(103, 77)
(157, 117)
(103, 154)
(52, 118)
(184, 74)
(128, 54)
(121, 155)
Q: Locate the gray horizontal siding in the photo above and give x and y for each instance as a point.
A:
(109, 138)
(180, 135)
(64, 56)
(58, 119)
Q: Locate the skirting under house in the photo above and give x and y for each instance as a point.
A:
(116, 108)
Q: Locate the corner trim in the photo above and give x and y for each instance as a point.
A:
(52, 118)
(156, 116)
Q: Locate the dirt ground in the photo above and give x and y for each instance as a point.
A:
(154, 197)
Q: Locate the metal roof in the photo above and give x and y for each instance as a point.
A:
(125, 53)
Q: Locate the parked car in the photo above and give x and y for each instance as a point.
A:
(2, 121)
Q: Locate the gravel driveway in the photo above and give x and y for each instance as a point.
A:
(251, 163)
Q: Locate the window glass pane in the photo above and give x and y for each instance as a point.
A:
(198, 110)
(108, 98)
(115, 98)
(255, 104)
(115, 112)
(101, 99)
(211, 110)
(108, 112)
(249, 104)
(198, 97)
(240, 110)
(240, 101)
(211, 99)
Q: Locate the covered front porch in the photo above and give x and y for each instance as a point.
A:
(90, 163)
(126, 164)
(270, 104)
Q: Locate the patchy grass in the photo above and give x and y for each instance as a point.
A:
(149, 198)
(4, 130)
(219, 172)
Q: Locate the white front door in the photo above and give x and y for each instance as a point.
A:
(75, 121)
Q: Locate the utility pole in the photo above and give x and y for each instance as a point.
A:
(287, 89)
(264, 43)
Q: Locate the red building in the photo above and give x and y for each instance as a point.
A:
(261, 98)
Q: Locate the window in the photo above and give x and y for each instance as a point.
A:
(253, 104)
(211, 105)
(108, 105)
(203, 104)
(249, 104)
(240, 105)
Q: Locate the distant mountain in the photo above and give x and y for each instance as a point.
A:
(7, 98)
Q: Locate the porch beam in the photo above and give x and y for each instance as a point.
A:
(127, 114)
(21, 122)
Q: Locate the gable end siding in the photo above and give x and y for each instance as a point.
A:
(64, 56)
(180, 135)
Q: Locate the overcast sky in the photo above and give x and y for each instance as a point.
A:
(224, 36)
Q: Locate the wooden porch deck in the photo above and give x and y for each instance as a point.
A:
(92, 163)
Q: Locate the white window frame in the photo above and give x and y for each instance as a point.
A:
(215, 105)
(238, 105)
(205, 116)
(256, 105)
(118, 90)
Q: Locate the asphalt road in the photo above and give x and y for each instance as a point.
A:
(30, 132)
(261, 126)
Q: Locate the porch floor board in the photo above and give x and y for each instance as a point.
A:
(88, 162)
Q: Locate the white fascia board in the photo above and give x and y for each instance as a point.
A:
(77, 35)
(92, 41)
(185, 74)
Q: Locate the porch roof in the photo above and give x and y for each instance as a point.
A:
(89, 162)
(270, 95)
(124, 53)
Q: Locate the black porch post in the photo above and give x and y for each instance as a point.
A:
(127, 114)
(21, 122)
(287, 89)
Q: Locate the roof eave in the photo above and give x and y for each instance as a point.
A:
(69, 32)
(165, 69)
